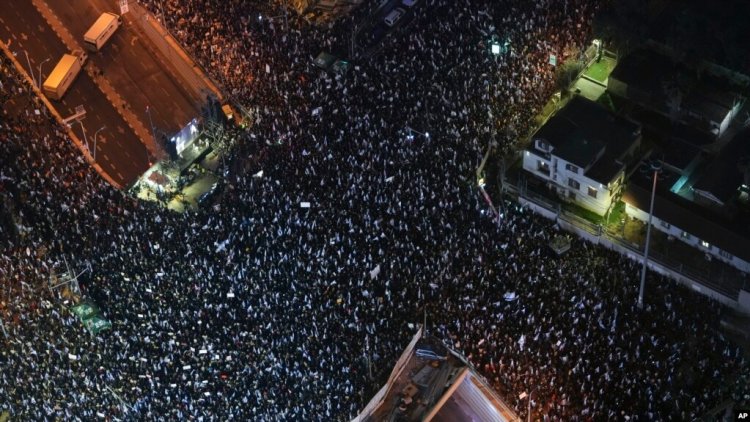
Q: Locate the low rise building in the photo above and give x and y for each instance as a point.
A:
(581, 153)
(431, 382)
(656, 82)
(707, 207)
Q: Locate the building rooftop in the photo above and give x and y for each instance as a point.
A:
(588, 135)
(725, 175)
(604, 171)
(679, 154)
(646, 70)
(431, 382)
(730, 235)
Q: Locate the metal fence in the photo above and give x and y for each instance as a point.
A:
(685, 270)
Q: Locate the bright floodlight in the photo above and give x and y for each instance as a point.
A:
(427, 134)
(495, 48)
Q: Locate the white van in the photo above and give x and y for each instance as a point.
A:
(63, 75)
(394, 16)
(101, 31)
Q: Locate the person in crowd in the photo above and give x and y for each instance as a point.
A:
(259, 309)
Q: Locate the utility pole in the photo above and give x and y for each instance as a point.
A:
(656, 169)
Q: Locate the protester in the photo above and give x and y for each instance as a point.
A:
(257, 308)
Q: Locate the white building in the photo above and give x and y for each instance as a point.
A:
(581, 154)
(707, 208)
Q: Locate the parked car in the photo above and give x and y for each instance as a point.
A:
(394, 16)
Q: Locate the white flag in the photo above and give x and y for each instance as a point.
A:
(374, 273)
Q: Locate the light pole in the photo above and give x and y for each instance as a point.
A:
(656, 168)
(83, 129)
(40, 72)
(523, 396)
(96, 133)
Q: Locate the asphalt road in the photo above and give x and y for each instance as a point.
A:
(140, 77)
(118, 151)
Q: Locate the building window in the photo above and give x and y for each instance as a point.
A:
(592, 192)
(573, 183)
(705, 244)
(542, 167)
(571, 168)
(685, 235)
(725, 254)
(667, 225)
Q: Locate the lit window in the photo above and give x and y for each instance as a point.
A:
(592, 192)
(705, 244)
(685, 235)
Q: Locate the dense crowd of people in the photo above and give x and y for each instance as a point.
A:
(257, 308)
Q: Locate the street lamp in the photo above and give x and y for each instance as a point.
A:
(83, 129)
(523, 396)
(655, 167)
(96, 133)
(40, 72)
